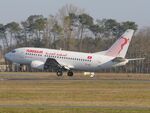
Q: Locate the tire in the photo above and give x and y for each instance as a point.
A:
(59, 73)
(70, 73)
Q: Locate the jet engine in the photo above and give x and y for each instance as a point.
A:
(37, 64)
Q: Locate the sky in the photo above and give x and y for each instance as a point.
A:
(121, 10)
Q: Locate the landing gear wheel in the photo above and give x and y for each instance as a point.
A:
(70, 73)
(59, 73)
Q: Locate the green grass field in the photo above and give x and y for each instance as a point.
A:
(46, 93)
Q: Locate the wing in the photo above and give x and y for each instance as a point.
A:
(53, 64)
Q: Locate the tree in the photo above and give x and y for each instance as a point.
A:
(34, 28)
(39, 27)
(111, 27)
(56, 32)
(85, 21)
(48, 37)
(14, 29)
(3, 36)
(95, 29)
(25, 32)
(129, 25)
(67, 17)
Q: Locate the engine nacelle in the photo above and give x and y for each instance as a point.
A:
(37, 64)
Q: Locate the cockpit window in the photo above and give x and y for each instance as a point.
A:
(13, 51)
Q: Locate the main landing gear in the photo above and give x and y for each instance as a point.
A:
(60, 73)
(70, 73)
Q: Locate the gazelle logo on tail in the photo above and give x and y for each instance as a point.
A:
(120, 47)
(125, 42)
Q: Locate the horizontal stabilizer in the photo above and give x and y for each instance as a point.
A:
(120, 59)
(134, 59)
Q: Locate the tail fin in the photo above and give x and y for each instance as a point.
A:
(120, 47)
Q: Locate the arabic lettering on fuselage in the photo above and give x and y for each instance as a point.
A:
(56, 54)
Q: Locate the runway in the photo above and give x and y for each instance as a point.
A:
(77, 77)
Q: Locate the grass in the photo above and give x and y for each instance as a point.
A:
(69, 110)
(49, 94)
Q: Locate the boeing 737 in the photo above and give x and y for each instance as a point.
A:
(61, 61)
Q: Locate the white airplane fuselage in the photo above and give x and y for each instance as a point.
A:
(73, 60)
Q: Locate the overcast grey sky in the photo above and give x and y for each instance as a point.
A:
(121, 10)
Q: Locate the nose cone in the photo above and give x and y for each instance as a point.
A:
(7, 56)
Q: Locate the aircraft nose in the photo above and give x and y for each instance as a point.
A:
(7, 56)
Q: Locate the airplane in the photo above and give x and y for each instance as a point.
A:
(61, 61)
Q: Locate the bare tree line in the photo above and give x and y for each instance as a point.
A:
(73, 29)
